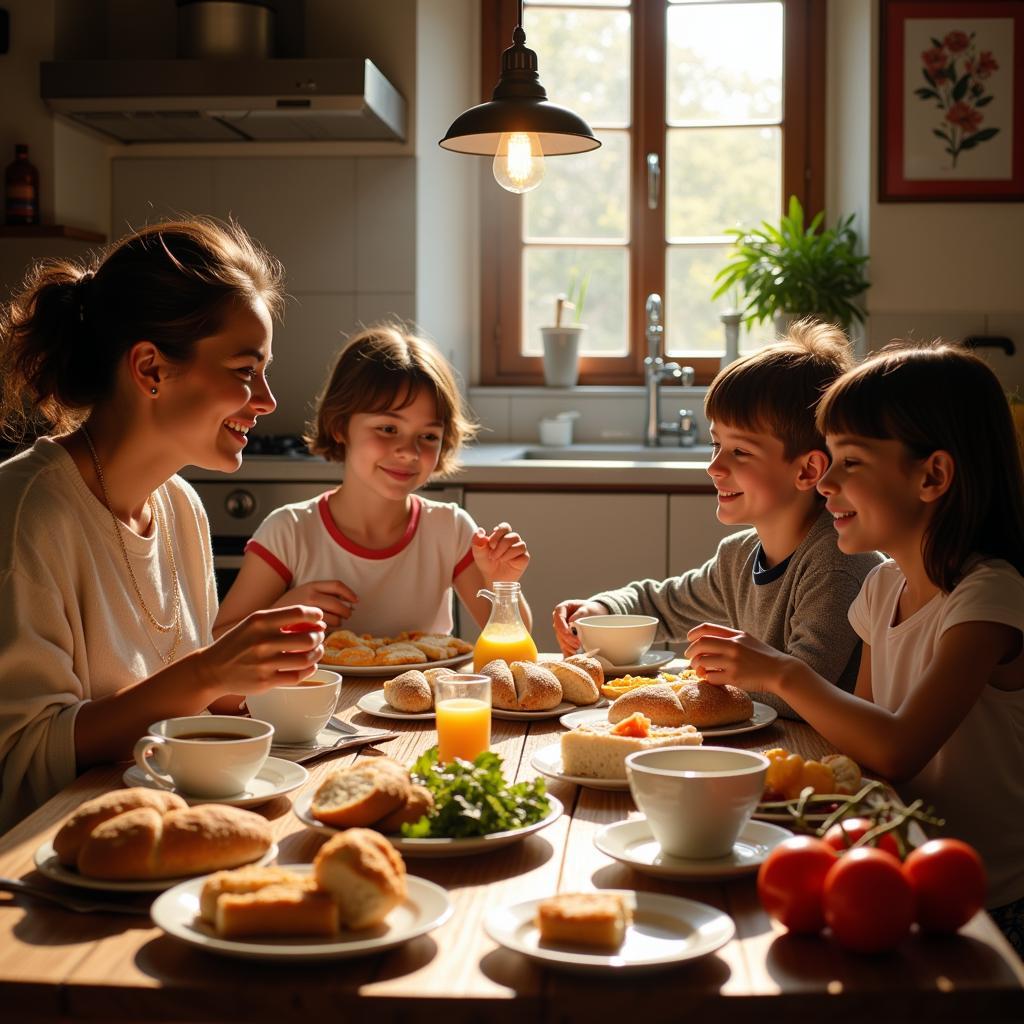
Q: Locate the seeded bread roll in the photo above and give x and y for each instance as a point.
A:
(241, 881)
(591, 666)
(657, 701)
(536, 688)
(359, 794)
(503, 685)
(585, 919)
(74, 832)
(364, 874)
(577, 685)
(420, 802)
(409, 692)
(143, 844)
(433, 674)
(707, 704)
(277, 910)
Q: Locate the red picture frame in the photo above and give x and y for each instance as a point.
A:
(951, 101)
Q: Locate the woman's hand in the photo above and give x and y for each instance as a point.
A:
(722, 655)
(565, 614)
(332, 597)
(500, 555)
(268, 648)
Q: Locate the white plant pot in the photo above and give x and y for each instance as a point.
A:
(561, 355)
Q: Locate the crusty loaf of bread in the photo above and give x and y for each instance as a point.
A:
(360, 794)
(419, 802)
(364, 874)
(585, 919)
(144, 844)
(577, 685)
(244, 880)
(708, 704)
(74, 832)
(277, 910)
(409, 692)
(591, 666)
(658, 702)
(536, 688)
(503, 686)
(592, 751)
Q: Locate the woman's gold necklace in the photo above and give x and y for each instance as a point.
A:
(158, 526)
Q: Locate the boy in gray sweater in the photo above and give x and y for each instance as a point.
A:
(785, 581)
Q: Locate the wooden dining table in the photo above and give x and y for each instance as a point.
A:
(56, 965)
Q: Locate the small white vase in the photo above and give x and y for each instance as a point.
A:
(731, 321)
(561, 355)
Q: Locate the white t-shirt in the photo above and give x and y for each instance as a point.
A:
(976, 781)
(71, 629)
(406, 586)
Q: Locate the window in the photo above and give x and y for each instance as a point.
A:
(710, 115)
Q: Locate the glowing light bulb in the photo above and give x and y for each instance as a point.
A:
(519, 162)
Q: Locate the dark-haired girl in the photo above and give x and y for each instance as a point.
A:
(147, 360)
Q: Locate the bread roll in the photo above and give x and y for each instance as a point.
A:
(243, 880)
(536, 688)
(657, 701)
(360, 794)
(409, 692)
(577, 685)
(708, 704)
(585, 919)
(591, 666)
(845, 771)
(276, 910)
(364, 874)
(419, 802)
(74, 832)
(143, 844)
(503, 686)
(433, 674)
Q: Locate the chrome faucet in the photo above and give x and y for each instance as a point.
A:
(656, 371)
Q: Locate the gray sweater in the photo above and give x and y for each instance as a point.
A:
(799, 607)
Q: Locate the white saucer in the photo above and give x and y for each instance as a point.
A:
(632, 843)
(764, 714)
(277, 776)
(665, 931)
(548, 761)
(647, 665)
(390, 671)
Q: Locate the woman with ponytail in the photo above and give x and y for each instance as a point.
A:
(147, 360)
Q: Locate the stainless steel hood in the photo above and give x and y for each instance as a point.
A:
(227, 100)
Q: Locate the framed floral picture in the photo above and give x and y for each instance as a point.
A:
(951, 103)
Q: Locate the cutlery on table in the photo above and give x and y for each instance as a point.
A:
(79, 904)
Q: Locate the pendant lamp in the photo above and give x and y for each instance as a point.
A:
(519, 126)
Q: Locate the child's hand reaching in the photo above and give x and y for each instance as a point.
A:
(500, 555)
(563, 617)
(332, 597)
(719, 654)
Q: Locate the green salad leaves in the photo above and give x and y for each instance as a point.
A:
(473, 799)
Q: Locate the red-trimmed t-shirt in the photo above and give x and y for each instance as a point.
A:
(405, 586)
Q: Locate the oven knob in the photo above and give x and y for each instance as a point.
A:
(240, 504)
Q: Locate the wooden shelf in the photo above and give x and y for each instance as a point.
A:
(50, 231)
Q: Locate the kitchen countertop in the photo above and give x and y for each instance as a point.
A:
(504, 465)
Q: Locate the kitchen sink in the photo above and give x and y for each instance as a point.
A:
(619, 453)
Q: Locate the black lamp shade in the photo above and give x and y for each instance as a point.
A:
(478, 130)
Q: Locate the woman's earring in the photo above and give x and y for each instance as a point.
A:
(152, 391)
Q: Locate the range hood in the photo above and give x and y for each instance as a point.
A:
(300, 100)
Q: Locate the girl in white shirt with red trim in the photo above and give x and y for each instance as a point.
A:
(925, 467)
(371, 553)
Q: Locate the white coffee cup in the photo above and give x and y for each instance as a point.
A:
(209, 756)
(696, 799)
(620, 639)
(299, 712)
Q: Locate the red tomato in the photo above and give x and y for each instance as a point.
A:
(854, 829)
(948, 879)
(790, 882)
(868, 902)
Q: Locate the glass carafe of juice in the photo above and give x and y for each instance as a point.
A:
(505, 636)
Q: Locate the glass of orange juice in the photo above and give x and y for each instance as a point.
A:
(463, 707)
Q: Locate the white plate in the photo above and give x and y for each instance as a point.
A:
(632, 843)
(647, 665)
(426, 907)
(561, 709)
(548, 761)
(665, 931)
(277, 776)
(763, 715)
(46, 861)
(439, 847)
(373, 703)
(390, 671)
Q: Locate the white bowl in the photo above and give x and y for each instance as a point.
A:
(299, 712)
(621, 639)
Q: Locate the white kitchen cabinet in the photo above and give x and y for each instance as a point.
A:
(693, 531)
(579, 543)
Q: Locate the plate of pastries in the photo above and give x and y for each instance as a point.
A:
(355, 898)
(363, 654)
(519, 690)
(144, 840)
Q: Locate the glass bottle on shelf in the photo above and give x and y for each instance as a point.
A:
(21, 189)
(505, 636)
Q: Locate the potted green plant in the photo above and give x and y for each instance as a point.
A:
(788, 271)
(561, 342)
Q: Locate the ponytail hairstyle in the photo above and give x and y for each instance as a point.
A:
(63, 337)
(941, 397)
(385, 367)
